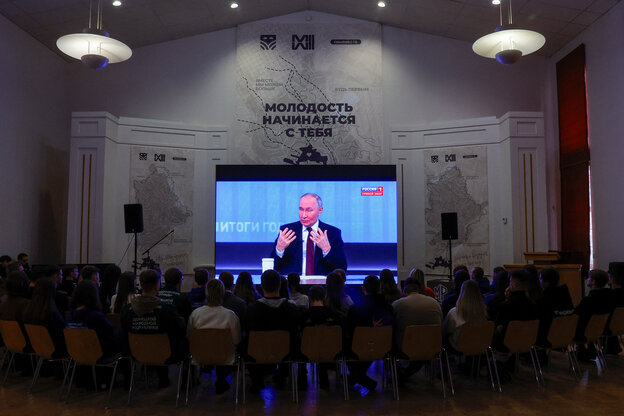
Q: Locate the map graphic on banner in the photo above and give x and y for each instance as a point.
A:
(456, 181)
(308, 94)
(161, 179)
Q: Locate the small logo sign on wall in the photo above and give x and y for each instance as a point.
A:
(159, 157)
(305, 42)
(435, 159)
(268, 42)
(142, 156)
(450, 158)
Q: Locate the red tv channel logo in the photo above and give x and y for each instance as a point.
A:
(371, 191)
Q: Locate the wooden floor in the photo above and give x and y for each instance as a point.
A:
(595, 394)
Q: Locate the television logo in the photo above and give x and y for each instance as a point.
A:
(305, 42)
(371, 191)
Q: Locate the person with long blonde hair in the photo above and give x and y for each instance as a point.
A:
(470, 308)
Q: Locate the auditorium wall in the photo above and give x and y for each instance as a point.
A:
(34, 134)
(604, 58)
(426, 79)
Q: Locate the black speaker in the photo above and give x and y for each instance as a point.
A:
(133, 218)
(449, 226)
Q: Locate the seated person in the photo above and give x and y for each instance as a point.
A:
(270, 313)
(170, 293)
(126, 291)
(373, 311)
(495, 273)
(518, 307)
(42, 311)
(231, 301)
(86, 312)
(147, 314)
(336, 299)
(197, 295)
(469, 309)
(16, 299)
(389, 288)
(320, 315)
(478, 275)
(598, 301)
(414, 308)
(459, 277)
(555, 301)
(616, 278)
(420, 276)
(493, 301)
(214, 315)
(296, 291)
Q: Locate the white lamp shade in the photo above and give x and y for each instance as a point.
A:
(526, 41)
(77, 45)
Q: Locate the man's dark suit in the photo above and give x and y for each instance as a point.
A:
(292, 262)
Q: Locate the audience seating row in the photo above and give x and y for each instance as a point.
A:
(320, 345)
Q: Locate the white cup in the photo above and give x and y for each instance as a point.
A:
(267, 264)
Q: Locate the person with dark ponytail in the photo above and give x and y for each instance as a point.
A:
(42, 311)
(86, 312)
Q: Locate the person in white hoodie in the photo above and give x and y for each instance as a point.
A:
(214, 315)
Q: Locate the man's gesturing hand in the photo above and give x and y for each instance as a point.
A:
(320, 239)
(286, 237)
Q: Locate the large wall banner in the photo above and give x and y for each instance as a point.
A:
(161, 179)
(456, 181)
(308, 94)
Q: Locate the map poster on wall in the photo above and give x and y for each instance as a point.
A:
(456, 181)
(308, 94)
(161, 179)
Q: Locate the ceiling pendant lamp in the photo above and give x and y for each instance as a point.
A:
(94, 46)
(508, 43)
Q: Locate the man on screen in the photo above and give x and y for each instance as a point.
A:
(309, 246)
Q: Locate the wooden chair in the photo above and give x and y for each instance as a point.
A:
(561, 336)
(615, 328)
(44, 348)
(521, 337)
(84, 348)
(474, 339)
(15, 343)
(268, 347)
(154, 350)
(211, 346)
(374, 344)
(323, 344)
(424, 343)
(593, 332)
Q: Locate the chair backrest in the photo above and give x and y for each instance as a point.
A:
(372, 343)
(521, 335)
(114, 319)
(83, 345)
(268, 347)
(561, 332)
(475, 338)
(40, 340)
(13, 336)
(149, 349)
(596, 326)
(421, 342)
(321, 344)
(617, 321)
(211, 346)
